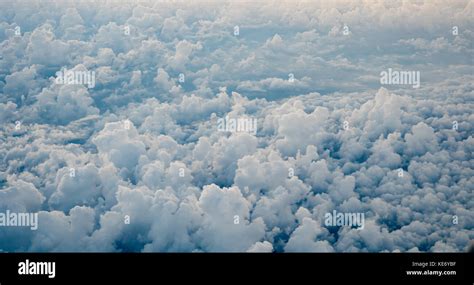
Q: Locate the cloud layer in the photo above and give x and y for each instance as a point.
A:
(136, 162)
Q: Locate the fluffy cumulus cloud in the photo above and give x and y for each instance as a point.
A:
(237, 126)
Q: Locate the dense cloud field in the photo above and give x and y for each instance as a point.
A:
(132, 158)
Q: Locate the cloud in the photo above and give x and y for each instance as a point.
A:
(305, 238)
(220, 230)
(152, 172)
(421, 140)
(19, 84)
(79, 186)
(21, 196)
(162, 79)
(184, 49)
(119, 143)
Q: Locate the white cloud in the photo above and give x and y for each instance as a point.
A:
(184, 185)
